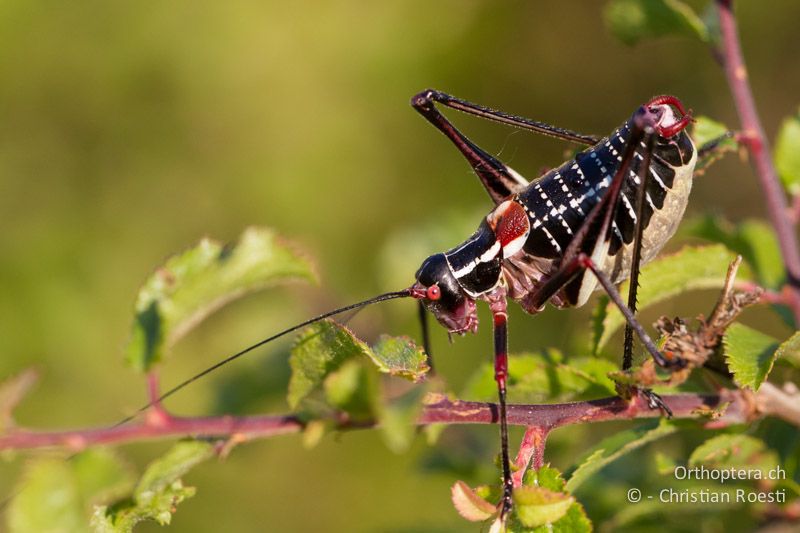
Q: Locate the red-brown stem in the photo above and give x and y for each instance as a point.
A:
(756, 141)
(156, 415)
(152, 389)
(767, 296)
(531, 452)
(538, 450)
(545, 416)
(794, 210)
(228, 426)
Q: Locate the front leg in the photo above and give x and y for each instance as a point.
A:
(498, 305)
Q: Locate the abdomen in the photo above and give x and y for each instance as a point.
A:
(559, 202)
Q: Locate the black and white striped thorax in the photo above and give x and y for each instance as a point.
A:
(477, 262)
(559, 201)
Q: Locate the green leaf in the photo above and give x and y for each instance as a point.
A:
(399, 356)
(692, 268)
(633, 20)
(573, 520)
(100, 475)
(322, 349)
(790, 350)
(56, 495)
(192, 285)
(158, 492)
(541, 505)
(787, 153)
(599, 315)
(734, 451)
(123, 516)
(706, 129)
(749, 355)
(319, 350)
(753, 239)
(398, 417)
(48, 500)
(710, 18)
(615, 447)
(537, 506)
(665, 465)
(354, 389)
(167, 469)
(762, 251)
(547, 477)
(328, 357)
(543, 376)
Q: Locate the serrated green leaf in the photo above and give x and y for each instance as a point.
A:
(55, 495)
(789, 350)
(691, 268)
(575, 521)
(753, 239)
(167, 469)
(547, 477)
(319, 350)
(123, 516)
(541, 505)
(469, 505)
(749, 355)
(321, 357)
(574, 518)
(398, 417)
(706, 129)
(543, 376)
(633, 20)
(615, 447)
(537, 506)
(199, 281)
(734, 450)
(399, 356)
(787, 153)
(158, 491)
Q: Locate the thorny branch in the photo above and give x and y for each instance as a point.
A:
(756, 141)
(728, 407)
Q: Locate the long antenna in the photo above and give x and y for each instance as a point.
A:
(176, 388)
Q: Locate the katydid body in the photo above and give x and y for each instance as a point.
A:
(609, 209)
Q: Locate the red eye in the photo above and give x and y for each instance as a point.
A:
(433, 292)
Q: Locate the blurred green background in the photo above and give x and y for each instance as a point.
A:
(129, 130)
